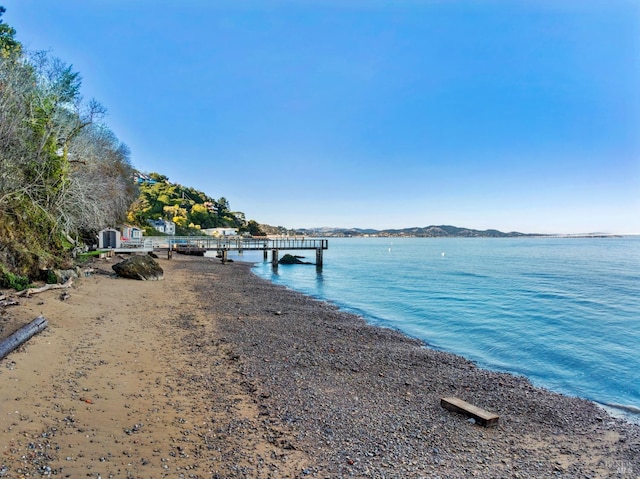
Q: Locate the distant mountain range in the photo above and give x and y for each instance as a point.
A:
(443, 231)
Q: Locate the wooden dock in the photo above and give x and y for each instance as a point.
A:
(199, 245)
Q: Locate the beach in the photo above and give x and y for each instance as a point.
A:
(213, 372)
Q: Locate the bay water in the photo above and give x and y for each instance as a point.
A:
(564, 312)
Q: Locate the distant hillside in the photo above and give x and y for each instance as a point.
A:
(442, 231)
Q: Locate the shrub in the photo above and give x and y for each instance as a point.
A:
(14, 281)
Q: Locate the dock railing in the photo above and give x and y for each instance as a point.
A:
(224, 244)
(236, 243)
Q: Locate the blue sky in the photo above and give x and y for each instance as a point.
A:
(519, 115)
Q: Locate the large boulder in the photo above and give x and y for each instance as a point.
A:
(142, 267)
(291, 259)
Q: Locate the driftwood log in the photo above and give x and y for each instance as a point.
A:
(46, 287)
(4, 301)
(22, 335)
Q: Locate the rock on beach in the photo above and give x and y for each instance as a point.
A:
(141, 267)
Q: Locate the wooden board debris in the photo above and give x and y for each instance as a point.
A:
(485, 418)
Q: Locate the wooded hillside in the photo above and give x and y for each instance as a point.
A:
(191, 210)
(64, 175)
(62, 170)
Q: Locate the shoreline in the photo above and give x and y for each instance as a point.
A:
(240, 377)
(628, 412)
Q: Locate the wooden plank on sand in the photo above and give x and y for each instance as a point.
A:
(481, 416)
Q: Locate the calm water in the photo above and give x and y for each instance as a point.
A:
(563, 312)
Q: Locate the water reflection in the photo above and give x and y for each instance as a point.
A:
(319, 279)
(274, 268)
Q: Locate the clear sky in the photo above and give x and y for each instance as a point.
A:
(519, 115)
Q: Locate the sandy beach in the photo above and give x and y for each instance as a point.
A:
(215, 373)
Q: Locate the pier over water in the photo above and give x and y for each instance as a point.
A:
(199, 245)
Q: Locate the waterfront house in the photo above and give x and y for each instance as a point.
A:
(131, 234)
(164, 226)
(220, 231)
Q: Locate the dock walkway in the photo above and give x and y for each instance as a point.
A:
(199, 245)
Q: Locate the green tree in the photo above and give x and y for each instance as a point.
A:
(9, 46)
(254, 228)
(201, 215)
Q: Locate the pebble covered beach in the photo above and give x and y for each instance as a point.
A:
(214, 372)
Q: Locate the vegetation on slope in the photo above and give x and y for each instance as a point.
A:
(63, 173)
(191, 210)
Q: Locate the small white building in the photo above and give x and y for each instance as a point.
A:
(109, 238)
(220, 231)
(164, 226)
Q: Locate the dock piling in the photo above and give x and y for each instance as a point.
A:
(222, 245)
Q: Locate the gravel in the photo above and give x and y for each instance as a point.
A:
(241, 378)
(364, 401)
